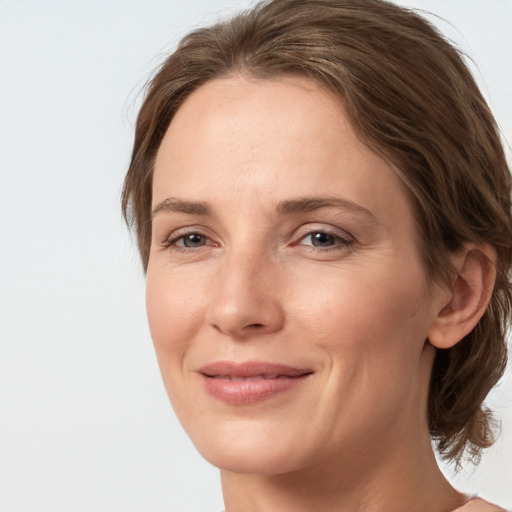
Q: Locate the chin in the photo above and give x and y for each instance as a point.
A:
(249, 462)
(250, 452)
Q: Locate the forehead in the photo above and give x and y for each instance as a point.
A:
(271, 140)
(235, 116)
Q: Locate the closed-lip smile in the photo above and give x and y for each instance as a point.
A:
(250, 382)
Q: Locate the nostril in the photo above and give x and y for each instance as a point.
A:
(255, 326)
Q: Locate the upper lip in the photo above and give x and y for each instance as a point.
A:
(251, 369)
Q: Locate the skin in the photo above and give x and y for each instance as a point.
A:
(339, 290)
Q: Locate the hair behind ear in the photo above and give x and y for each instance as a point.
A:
(469, 357)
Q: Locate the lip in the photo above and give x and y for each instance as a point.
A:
(250, 382)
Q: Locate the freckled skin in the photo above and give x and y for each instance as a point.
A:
(337, 290)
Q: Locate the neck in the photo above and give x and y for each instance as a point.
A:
(376, 483)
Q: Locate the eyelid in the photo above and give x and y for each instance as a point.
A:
(342, 240)
(309, 229)
(180, 233)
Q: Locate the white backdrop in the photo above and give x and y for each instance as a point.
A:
(84, 420)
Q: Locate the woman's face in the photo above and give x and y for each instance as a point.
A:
(286, 298)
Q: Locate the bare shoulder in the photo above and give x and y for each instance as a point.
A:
(479, 505)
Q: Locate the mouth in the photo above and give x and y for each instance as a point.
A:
(247, 383)
(256, 377)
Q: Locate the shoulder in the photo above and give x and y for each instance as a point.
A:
(479, 505)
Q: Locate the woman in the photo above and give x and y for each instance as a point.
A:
(322, 205)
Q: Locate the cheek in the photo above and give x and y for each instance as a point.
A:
(172, 308)
(371, 327)
(374, 318)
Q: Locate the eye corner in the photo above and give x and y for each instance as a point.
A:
(323, 237)
(189, 240)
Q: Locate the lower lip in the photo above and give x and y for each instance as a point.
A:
(243, 392)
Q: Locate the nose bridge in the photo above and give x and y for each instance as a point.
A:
(246, 300)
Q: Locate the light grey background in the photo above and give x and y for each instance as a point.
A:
(84, 420)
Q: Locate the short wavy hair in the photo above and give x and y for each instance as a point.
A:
(411, 98)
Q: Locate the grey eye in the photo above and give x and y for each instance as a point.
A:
(320, 239)
(325, 240)
(192, 240)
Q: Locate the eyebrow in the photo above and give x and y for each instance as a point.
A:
(290, 206)
(310, 204)
(171, 204)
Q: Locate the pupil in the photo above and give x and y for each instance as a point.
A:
(322, 239)
(193, 240)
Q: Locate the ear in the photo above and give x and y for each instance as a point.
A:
(469, 295)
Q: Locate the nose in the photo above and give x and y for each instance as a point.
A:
(246, 300)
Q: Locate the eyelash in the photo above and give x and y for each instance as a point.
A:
(339, 242)
(171, 243)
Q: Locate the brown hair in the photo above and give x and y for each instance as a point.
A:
(412, 99)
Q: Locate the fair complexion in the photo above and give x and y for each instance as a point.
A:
(289, 307)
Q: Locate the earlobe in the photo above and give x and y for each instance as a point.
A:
(471, 292)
